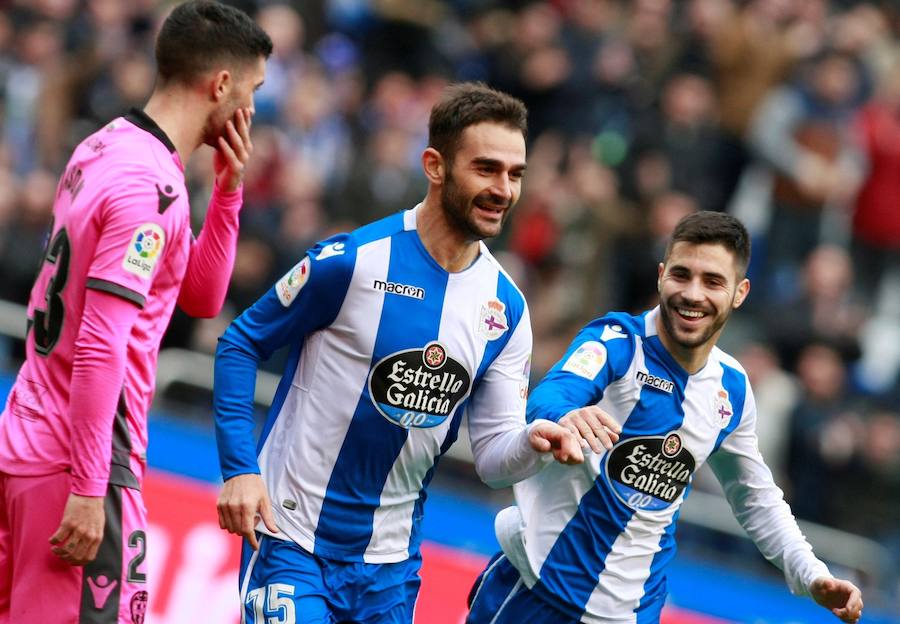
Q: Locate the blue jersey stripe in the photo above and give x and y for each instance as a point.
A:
(290, 369)
(578, 556)
(735, 384)
(373, 443)
(655, 587)
(378, 229)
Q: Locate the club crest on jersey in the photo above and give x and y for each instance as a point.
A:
(289, 286)
(418, 387)
(492, 321)
(723, 409)
(587, 360)
(139, 607)
(144, 250)
(649, 473)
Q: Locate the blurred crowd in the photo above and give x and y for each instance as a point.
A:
(783, 112)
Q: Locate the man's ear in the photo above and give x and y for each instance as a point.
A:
(220, 85)
(659, 273)
(434, 166)
(740, 294)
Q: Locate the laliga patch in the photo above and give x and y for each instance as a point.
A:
(289, 286)
(144, 250)
(723, 408)
(587, 360)
(492, 319)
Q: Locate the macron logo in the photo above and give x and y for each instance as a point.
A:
(101, 587)
(329, 251)
(655, 382)
(416, 292)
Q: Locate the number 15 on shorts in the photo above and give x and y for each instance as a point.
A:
(275, 599)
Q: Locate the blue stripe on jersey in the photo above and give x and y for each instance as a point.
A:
(655, 586)
(582, 547)
(373, 443)
(653, 412)
(284, 385)
(378, 229)
(601, 516)
(735, 384)
(515, 308)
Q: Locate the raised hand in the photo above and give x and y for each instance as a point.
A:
(233, 151)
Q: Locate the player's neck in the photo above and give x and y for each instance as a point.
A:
(449, 247)
(175, 112)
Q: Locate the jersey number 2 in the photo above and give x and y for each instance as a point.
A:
(48, 322)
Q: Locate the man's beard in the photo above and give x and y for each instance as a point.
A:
(458, 209)
(215, 125)
(669, 312)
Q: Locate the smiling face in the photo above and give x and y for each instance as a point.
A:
(484, 180)
(699, 287)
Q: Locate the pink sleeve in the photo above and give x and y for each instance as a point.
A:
(212, 257)
(98, 373)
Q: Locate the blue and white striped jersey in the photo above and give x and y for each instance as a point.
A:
(595, 539)
(388, 351)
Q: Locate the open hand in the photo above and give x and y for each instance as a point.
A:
(592, 427)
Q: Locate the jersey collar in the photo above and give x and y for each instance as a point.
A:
(143, 121)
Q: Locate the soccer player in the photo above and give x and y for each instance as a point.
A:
(395, 330)
(591, 543)
(73, 527)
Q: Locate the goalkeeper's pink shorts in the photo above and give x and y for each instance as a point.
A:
(37, 587)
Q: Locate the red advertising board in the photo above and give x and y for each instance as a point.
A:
(193, 565)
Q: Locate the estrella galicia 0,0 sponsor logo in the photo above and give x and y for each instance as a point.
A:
(649, 473)
(418, 387)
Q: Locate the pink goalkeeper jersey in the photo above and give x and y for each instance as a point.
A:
(121, 225)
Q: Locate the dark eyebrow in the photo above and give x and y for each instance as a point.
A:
(493, 162)
(707, 274)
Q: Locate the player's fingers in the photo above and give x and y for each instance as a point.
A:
(248, 523)
(586, 433)
(236, 142)
(231, 159)
(221, 514)
(243, 127)
(265, 511)
(569, 451)
(61, 534)
(232, 514)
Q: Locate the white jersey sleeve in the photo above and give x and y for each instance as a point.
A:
(759, 505)
(496, 415)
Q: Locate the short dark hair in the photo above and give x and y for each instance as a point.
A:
(199, 33)
(468, 103)
(714, 228)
